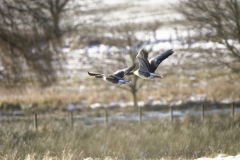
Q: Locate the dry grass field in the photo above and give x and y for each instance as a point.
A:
(189, 138)
(171, 88)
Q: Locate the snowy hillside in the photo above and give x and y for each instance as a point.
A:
(169, 35)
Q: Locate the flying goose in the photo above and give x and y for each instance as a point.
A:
(147, 68)
(117, 77)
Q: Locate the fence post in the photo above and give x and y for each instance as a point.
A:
(71, 118)
(233, 109)
(35, 122)
(106, 117)
(140, 114)
(203, 111)
(171, 112)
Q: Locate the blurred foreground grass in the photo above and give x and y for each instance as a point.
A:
(189, 138)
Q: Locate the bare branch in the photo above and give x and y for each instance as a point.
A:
(220, 19)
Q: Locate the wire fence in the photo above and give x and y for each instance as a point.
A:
(71, 117)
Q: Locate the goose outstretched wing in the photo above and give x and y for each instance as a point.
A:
(142, 56)
(155, 61)
(97, 75)
(125, 71)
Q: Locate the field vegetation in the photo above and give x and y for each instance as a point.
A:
(215, 86)
(189, 138)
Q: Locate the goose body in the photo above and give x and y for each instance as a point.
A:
(116, 77)
(147, 67)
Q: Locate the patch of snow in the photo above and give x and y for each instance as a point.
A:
(192, 78)
(71, 107)
(127, 104)
(113, 104)
(123, 104)
(141, 104)
(66, 50)
(208, 45)
(198, 98)
(226, 101)
(159, 102)
(176, 103)
(149, 101)
(92, 50)
(82, 88)
(222, 157)
(103, 48)
(161, 46)
(113, 49)
(95, 105)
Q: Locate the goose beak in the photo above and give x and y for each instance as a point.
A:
(127, 82)
(158, 76)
